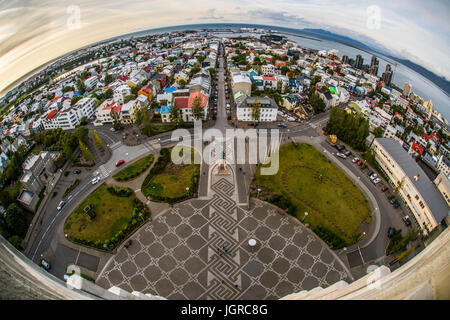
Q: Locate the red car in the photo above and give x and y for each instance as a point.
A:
(384, 188)
(118, 163)
(360, 162)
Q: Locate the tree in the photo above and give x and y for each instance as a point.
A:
(98, 140)
(378, 132)
(197, 110)
(317, 103)
(15, 219)
(256, 110)
(85, 151)
(146, 123)
(82, 133)
(75, 100)
(108, 79)
(80, 86)
(175, 115)
(108, 94)
(182, 83)
(129, 98)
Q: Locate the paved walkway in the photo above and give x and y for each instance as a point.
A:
(179, 255)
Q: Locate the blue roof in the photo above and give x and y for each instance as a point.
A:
(165, 109)
(170, 90)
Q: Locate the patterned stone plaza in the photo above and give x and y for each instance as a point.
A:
(179, 255)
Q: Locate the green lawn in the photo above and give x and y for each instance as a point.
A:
(171, 184)
(135, 169)
(168, 181)
(315, 185)
(355, 106)
(113, 213)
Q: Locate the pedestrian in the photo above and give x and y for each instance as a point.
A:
(236, 286)
(226, 250)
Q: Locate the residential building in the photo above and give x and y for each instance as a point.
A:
(407, 89)
(421, 198)
(268, 109)
(120, 93)
(442, 182)
(268, 69)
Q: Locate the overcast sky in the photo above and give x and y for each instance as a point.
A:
(33, 32)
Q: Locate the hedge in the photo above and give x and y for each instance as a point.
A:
(71, 187)
(120, 191)
(332, 239)
(284, 203)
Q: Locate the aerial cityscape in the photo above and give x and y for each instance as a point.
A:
(224, 161)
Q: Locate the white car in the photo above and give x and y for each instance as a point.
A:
(374, 176)
(343, 156)
(96, 173)
(95, 180)
(355, 160)
(376, 180)
(60, 205)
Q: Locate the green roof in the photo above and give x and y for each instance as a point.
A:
(238, 95)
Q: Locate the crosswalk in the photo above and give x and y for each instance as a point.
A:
(116, 145)
(103, 172)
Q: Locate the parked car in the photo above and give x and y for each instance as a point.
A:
(77, 171)
(406, 220)
(282, 125)
(112, 129)
(355, 160)
(45, 264)
(348, 153)
(370, 172)
(61, 205)
(96, 173)
(376, 180)
(396, 204)
(120, 162)
(360, 162)
(340, 147)
(341, 155)
(384, 188)
(373, 176)
(95, 180)
(391, 232)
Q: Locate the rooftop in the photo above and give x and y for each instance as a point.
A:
(424, 185)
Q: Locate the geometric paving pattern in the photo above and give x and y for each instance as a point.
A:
(176, 256)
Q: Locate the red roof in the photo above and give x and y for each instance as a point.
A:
(418, 149)
(193, 95)
(427, 137)
(117, 109)
(123, 78)
(51, 114)
(181, 102)
(109, 106)
(145, 89)
(269, 79)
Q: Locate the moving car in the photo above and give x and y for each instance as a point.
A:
(95, 180)
(355, 160)
(77, 171)
(46, 265)
(120, 162)
(61, 205)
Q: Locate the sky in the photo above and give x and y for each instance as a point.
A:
(32, 32)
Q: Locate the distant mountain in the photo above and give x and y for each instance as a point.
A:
(440, 81)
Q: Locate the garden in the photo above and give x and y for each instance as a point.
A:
(167, 182)
(309, 187)
(135, 169)
(118, 212)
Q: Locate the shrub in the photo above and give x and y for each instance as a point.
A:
(120, 191)
(332, 239)
(71, 187)
(98, 140)
(284, 203)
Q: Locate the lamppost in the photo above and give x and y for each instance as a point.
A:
(187, 190)
(259, 190)
(304, 217)
(140, 215)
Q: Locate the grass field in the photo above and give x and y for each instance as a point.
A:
(172, 182)
(113, 213)
(318, 187)
(135, 169)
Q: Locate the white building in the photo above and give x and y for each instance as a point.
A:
(268, 69)
(268, 109)
(120, 93)
(69, 118)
